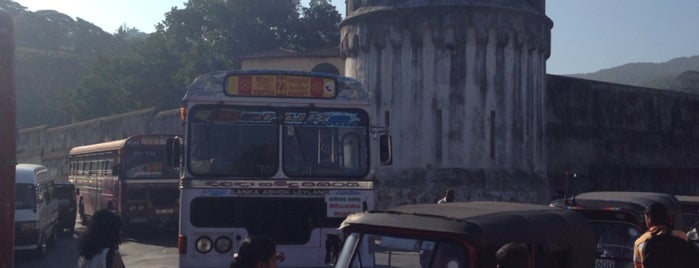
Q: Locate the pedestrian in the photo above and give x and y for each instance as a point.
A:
(99, 246)
(658, 223)
(448, 197)
(81, 209)
(513, 255)
(257, 252)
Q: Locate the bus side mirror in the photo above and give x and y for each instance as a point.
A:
(385, 149)
(115, 169)
(173, 152)
(77, 191)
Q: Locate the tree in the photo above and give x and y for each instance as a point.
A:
(205, 36)
(318, 28)
(687, 81)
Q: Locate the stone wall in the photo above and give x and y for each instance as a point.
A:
(49, 146)
(618, 137)
(615, 137)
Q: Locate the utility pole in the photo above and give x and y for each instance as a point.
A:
(7, 140)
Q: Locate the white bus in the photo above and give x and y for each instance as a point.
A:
(276, 153)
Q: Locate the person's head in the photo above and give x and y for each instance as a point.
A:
(104, 231)
(450, 195)
(513, 255)
(656, 214)
(257, 252)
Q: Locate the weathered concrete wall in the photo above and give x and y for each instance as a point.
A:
(461, 86)
(615, 137)
(618, 137)
(50, 146)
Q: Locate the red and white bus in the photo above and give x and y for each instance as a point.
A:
(277, 153)
(129, 176)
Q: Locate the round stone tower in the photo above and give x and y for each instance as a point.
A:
(461, 85)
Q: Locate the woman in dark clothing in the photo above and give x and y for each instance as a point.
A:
(99, 246)
(257, 252)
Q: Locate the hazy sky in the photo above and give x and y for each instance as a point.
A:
(588, 35)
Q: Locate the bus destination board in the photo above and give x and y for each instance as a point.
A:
(280, 86)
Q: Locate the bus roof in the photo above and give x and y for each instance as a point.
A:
(485, 224)
(108, 146)
(98, 147)
(212, 87)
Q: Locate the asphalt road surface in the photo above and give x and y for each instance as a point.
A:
(141, 247)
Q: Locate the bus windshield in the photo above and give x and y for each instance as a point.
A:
(233, 141)
(25, 196)
(244, 141)
(325, 143)
(147, 163)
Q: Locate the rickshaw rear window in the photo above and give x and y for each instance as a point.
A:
(374, 250)
(615, 239)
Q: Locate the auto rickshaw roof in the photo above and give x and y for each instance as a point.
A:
(483, 224)
(688, 199)
(634, 202)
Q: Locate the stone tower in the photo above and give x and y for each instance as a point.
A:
(461, 85)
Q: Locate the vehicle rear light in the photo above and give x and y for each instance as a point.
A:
(204, 244)
(223, 244)
(182, 244)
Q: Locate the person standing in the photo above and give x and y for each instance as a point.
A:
(81, 209)
(257, 252)
(99, 246)
(448, 197)
(657, 221)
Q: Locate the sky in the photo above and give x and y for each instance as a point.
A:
(587, 36)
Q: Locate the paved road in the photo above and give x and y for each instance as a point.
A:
(141, 248)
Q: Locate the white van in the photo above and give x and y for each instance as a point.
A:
(36, 213)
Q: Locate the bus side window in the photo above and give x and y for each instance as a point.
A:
(83, 168)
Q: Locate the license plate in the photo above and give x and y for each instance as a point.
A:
(601, 263)
(164, 211)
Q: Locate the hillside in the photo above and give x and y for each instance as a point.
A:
(52, 53)
(675, 74)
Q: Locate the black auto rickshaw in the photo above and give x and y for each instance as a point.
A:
(465, 235)
(690, 211)
(618, 219)
(65, 195)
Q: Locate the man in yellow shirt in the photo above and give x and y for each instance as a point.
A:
(657, 221)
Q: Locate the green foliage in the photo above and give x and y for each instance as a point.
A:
(687, 81)
(318, 27)
(52, 53)
(71, 70)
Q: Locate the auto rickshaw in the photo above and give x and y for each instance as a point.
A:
(618, 219)
(690, 211)
(465, 235)
(65, 194)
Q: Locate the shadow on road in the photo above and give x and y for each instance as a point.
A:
(150, 235)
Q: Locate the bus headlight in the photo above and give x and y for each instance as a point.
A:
(223, 244)
(204, 244)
